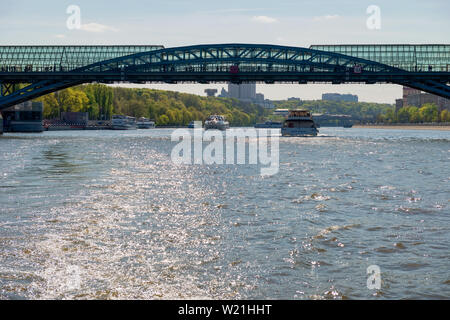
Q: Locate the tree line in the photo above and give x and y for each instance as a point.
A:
(363, 111)
(165, 107)
(409, 114)
(178, 109)
(372, 112)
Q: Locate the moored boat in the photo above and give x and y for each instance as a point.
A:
(120, 122)
(144, 123)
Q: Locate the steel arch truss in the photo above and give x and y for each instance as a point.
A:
(235, 63)
(33, 91)
(249, 58)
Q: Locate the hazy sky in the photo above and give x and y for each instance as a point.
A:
(175, 23)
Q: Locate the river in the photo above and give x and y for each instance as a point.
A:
(108, 215)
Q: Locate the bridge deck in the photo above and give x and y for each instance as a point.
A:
(62, 58)
(49, 69)
(409, 57)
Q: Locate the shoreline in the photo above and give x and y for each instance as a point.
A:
(404, 127)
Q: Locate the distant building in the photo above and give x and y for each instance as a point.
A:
(416, 98)
(245, 91)
(223, 93)
(259, 98)
(420, 99)
(294, 99)
(267, 104)
(24, 117)
(407, 92)
(340, 97)
(211, 92)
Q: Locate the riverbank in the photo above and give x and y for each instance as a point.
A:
(405, 126)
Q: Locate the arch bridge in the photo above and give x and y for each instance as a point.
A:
(49, 69)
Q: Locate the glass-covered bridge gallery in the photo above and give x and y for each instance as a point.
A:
(61, 58)
(409, 57)
(45, 69)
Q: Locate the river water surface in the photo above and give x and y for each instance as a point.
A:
(107, 215)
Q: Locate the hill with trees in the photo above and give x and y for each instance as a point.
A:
(178, 109)
(165, 107)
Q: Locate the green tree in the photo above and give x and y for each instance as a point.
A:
(72, 100)
(390, 116)
(51, 106)
(162, 120)
(429, 113)
(403, 115)
(445, 115)
(414, 115)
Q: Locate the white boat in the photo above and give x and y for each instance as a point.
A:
(216, 122)
(299, 123)
(120, 122)
(144, 123)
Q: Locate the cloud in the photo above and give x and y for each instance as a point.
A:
(236, 10)
(327, 17)
(264, 19)
(97, 28)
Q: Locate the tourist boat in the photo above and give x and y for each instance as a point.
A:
(120, 122)
(269, 125)
(299, 123)
(144, 123)
(216, 122)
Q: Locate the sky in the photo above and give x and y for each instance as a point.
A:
(174, 23)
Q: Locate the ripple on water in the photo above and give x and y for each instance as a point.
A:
(110, 209)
